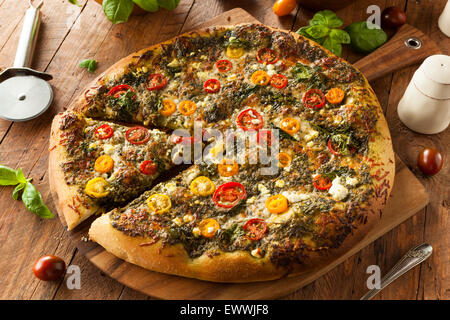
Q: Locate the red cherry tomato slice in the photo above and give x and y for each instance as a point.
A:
(119, 90)
(211, 86)
(148, 167)
(137, 135)
(156, 81)
(224, 65)
(265, 137)
(278, 81)
(331, 148)
(267, 56)
(229, 194)
(49, 268)
(250, 119)
(104, 132)
(322, 183)
(255, 229)
(314, 99)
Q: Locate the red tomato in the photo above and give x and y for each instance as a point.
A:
(148, 167)
(267, 56)
(255, 229)
(49, 268)
(278, 81)
(331, 148)
(224, 65)
(322, 183)
(250, 119)
(314, 99)
(229, 194)
(265, 137)
(104, 132)
(393, 17)
(137, 135)
(430, 161)
(119, 90)
(156, 81)
(211, 86)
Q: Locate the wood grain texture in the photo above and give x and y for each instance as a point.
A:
(25, 237)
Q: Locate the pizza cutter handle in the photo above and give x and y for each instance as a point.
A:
(28, 36)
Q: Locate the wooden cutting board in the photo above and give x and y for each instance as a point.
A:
(408, 197)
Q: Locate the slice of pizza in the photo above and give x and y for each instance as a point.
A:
(97, 164)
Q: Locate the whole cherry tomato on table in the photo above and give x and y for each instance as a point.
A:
(284, 7)
(393, 17)
(430, 161)
(49, 268)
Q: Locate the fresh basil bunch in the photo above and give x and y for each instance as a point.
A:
(323, 28)
(24, 190)
(366, 37)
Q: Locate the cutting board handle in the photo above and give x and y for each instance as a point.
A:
(408, 46)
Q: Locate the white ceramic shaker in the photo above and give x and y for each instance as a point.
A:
(425, 105)
(444, 20)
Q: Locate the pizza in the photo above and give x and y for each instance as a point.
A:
(309, 114)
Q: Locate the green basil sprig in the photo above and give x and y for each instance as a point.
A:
(90, 65)
(323, 29)
(25, 191)
(366, 37)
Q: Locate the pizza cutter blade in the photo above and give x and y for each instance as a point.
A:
(24, 92)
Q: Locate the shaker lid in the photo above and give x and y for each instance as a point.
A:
(433, 77)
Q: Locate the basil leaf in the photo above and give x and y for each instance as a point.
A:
(8, 176)
(168, 4)
(302, 72)
(326, 18)
(75, 2)
(117, 11)
(366, 38)
(17, 190)
(32, 200)
(317, 31)
(333, 46)
(340, 36)
(147, 5)
(90, 65)
(20, 177)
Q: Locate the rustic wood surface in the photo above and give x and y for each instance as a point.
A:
(70, 34)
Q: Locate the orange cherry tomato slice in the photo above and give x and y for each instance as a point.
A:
(187, 107)
(250, 119)
(278, 81)
(260, 77)
(104, 132)
(208, 227)
(335, 95)
(322, 183)
(284, 159)
(148, 168)
(277, 204)
(168, 107)
(211, 86)
(104, 164)
(267, 56)
(290, 125)
(255, 229)
(137, 135)
(156, 81)
(228, 168)
(224, 65)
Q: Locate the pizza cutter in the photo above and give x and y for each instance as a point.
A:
(24, 92)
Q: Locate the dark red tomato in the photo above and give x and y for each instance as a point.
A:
(250, 119)
(314, 99)
(265, 137)
(49, 268)
(224, 65)
(137, 135)
(104, 132)
(278, 81)
(322, 183)
(211, 86)
(229, 194)
(255, 229)
(267, 56)
(430, 161)
(156, 81)
(148, 167)
(332, 149)
(393, 17)
(119, 90)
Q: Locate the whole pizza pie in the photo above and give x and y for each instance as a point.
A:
(220, 216)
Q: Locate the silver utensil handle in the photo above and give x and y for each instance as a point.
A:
(411, 259)
(28, 36)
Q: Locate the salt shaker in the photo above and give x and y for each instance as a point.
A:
(425, 105)
(444, 20)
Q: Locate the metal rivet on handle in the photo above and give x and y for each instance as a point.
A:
(413, 43)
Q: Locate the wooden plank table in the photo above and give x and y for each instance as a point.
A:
(70, 34)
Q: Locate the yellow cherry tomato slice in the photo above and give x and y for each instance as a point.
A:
(277, 204)
(202, 186)
(159, 203)
(96, 188)
(335, 95)
(290, 125)
(260, 77)
(228, 168)
(187, 107)
(104, 164)
(169, 107)
(235, 52)
(284, 159)
(208, 227)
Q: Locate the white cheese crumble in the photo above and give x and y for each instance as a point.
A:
(196, 231)
(251, 200)
(337, 190)
(188, 218)
(280, 183)
(257, 253)
(108, 148)
(262, 189)
(351, 181)
(294, 197)
(177, 221)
